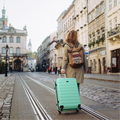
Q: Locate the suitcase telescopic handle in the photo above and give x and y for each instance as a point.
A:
(62, 75)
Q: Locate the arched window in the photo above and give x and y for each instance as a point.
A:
(10, 50)
(17, 51)
(18, 40)
(3, 50)
(4, 39)
(11, 39)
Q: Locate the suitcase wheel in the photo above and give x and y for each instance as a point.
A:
(59, 112)
(77, 110)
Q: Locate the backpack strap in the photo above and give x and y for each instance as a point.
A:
(69, 45)
(76, 45)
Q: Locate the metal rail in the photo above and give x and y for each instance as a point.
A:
(42, 114)
(85, 108)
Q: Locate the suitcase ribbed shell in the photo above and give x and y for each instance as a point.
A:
(67, 95)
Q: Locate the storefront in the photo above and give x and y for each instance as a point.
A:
(115, 61)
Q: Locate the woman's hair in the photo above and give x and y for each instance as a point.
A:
(72, 37)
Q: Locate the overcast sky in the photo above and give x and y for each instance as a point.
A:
(38, 15)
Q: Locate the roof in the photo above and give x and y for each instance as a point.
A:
(30, 58)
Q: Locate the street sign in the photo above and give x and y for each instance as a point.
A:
(86, 50)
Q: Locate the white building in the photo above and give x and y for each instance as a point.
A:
(59, 44)
(80, 21)
(31, 63)
(53, 51)
(16, 39)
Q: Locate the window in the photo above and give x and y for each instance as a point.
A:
(72, 18)
(11, 39)
(103, 33)
(102, 8)
(70, 21)
(90, 39)
(18, 39)
(115, 22)
(98, 37)
(94, 37)
(97, 11)
(4, 40)
(3, 50)
(90, 18)
(66, 25)
(93, 15)
(11, 50)
(110, 4)
(18, 51)
(110, 25)
(115, 2)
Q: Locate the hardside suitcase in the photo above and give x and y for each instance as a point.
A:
(67, 96)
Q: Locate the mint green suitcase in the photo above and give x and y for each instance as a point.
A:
(67, 96)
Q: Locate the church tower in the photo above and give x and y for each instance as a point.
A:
(30, 46)
(4, 16)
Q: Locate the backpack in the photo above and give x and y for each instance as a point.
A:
(75, 56)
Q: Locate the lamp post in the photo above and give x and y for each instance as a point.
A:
(6, 60)
(55, 64)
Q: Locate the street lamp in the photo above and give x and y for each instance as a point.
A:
(6, 60)
(55, 64)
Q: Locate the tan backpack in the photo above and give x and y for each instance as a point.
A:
(75, 56)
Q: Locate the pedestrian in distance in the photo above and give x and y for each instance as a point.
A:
(77, 72)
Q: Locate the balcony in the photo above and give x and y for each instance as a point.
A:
(98, 45)
(114, 34)
(59, 43)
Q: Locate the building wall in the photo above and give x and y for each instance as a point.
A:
(113, 41)
(80, 20)
(96, 30)
(68, 21)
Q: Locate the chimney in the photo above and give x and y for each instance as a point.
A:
(9, 24)
(3, 22)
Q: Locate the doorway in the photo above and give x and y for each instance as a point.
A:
(17, 65)
(99, 62)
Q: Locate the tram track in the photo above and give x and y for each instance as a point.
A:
(37, 107)
(84, 108)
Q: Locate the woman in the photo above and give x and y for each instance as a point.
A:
(70, 72)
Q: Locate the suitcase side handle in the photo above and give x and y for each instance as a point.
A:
(62, 75)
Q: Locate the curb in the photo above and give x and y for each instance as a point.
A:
(95, 79)
(102, 79)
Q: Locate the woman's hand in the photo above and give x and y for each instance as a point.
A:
(62, 72)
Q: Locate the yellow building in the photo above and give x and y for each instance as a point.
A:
(96, 36)
(113, 35)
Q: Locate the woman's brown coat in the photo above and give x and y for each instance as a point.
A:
(77, 73)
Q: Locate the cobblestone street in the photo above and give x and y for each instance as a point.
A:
(103, 96)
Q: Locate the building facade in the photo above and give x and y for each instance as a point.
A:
(68, 21)
(80, 20)
(16, 40)
(96, 36)
(59, 43)
(53, 52)
(31, 63)
(113, 35)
